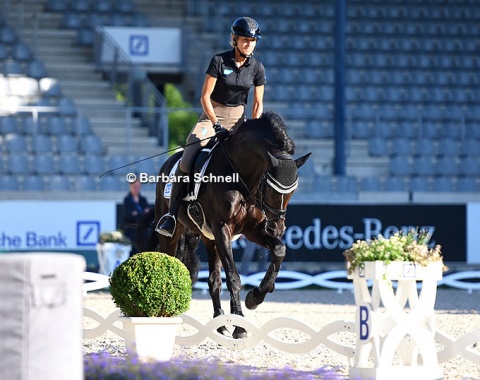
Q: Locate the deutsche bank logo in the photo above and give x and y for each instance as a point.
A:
(87, 233)
(138, 45)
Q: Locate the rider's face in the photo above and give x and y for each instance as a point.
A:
(246, 44)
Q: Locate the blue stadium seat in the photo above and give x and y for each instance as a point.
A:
(448, 147)
(91, 144)
(424, 147)
(15, 142)
(21, 52)
(471, 147)
(33, 183)
(116, 161)
(41, 143)
(399, 166)
(8, 35)
(467, 184)
(346, 184)
(66, 144)
(111, 183)
(85, 183)
(81, 126)
(71, 20)
(469, 166)
(79, 6)
(50, 87)
(67, 107)
(443, 184)
(56, 126)
(139, 20)
(93, 164)
(12, 68)
(419, 184)
(378, 147)
(59, 183)
(394, 184)
(401, 147)
(56, 5)
(423, 166)
(446, 166)
(8, 124)
(69, 164)
(370, 184)
(323, 184)
(123, 6)
(17, 163)
(44, 164)
(4, 52)
(37, 69)
(85, 37)
(148, 166)
(9, 183)
(103, 6)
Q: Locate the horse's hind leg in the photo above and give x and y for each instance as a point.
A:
(257, 295)
(215, 281)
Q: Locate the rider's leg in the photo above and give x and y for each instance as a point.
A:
(167, 223)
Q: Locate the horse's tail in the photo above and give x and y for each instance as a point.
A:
(187, 244)
(186, 247)
(146, 239)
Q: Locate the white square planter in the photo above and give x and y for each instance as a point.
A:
(151, 338)
(396, 328)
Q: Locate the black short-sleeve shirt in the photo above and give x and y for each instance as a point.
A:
(233, 83)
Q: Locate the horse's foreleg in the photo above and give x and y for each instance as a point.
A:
(224, 249)
(257, 295)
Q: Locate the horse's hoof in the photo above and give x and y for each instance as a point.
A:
(239, 333)
(250, 301)
(223, 331)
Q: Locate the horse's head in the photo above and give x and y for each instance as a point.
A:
(277, 187)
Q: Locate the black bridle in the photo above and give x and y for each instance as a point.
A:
(269, 181)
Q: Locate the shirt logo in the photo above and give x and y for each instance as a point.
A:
(227, 71)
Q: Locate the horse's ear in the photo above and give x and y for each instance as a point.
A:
(273, 159)
(300, 161)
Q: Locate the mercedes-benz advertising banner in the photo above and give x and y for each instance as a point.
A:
(323, 232)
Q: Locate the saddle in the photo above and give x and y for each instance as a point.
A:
(194, 208)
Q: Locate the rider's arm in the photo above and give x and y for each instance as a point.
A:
(208, 86)
(257, 106)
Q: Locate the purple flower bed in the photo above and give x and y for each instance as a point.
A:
(105, 367)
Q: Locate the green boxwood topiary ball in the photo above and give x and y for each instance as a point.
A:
(151, 284)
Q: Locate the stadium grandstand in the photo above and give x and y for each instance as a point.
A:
(412, 79)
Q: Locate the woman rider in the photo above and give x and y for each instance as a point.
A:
(228, 80)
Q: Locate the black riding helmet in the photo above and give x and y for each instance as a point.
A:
(246, 27)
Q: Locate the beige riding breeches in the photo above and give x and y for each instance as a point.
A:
(228, 117)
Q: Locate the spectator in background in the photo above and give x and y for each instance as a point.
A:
(135, 206)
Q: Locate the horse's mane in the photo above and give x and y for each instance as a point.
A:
(270, 123)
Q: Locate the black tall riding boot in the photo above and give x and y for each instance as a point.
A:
(167, 223)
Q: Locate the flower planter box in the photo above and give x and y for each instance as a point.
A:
(111, 255)
(395, 327)
(151, 338)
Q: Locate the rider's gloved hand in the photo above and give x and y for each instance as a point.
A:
(221, 133)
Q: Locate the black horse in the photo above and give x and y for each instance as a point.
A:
(252, 203)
